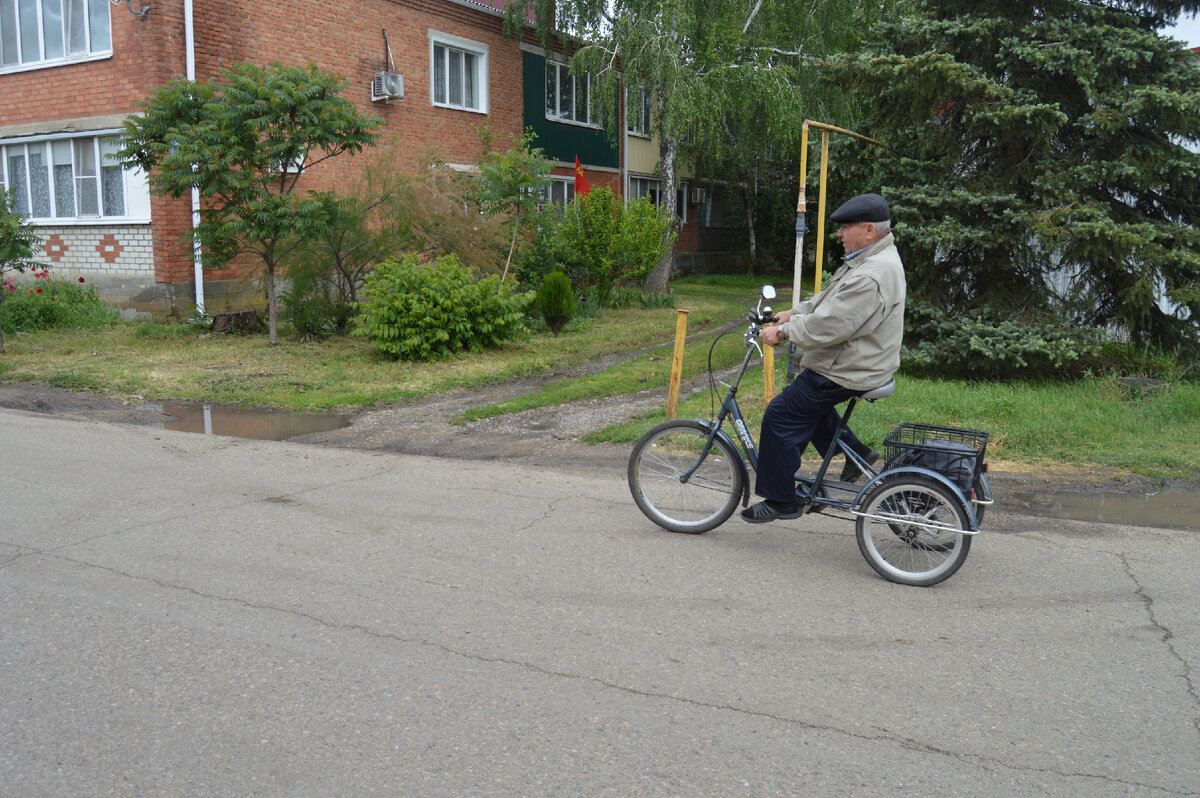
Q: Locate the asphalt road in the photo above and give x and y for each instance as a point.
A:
(184, 615)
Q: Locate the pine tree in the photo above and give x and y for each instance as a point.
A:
(1042, 158)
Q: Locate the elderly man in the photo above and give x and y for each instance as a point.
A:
(850, 334)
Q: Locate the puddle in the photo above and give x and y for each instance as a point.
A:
(1167, 509)
(265, 425)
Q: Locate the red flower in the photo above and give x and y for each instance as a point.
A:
(81, 279)
(39, 290)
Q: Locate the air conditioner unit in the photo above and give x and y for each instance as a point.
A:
(699, 196)
(387, 86)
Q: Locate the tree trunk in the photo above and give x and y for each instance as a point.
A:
(668, 147)
(747, 200)
(270, 275)
(511, 247)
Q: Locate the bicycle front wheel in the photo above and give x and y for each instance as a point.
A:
(702, 501)
(911, 531)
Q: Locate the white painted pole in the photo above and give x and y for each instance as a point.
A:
(189, 33)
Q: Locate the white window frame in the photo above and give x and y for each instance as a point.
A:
(57, 150)
(561, 73)
(644, 115)
(18, 42)
(640, 185)
(560, 191)
(464, 47)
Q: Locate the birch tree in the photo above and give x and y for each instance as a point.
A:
(699, 60)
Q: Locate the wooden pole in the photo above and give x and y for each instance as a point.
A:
(677, 364)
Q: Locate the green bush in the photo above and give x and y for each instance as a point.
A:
(598, 241)
(982, 345)
(428, 311)
(555, 301)
(44, 304)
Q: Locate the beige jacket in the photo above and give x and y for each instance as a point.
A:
(851, 331)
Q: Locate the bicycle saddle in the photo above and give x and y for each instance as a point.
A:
(882, 392)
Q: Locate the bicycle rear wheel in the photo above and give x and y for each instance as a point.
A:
(656, 467)
(911, 531)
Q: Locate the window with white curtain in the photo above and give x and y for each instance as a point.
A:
(459, 70)
(75, 178)
(37, 33)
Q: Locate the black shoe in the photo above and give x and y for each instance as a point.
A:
(851, 472)
(766, 511)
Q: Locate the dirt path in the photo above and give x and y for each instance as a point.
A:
(547, 436)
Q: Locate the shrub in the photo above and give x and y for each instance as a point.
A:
(428, 311)
(598, 241)
(981, 345)
(45, 304)
(555, 301)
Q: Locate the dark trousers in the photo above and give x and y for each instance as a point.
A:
(802, 413)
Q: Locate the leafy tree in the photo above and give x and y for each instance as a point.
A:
(445, 216)
(18, 242)
(1042, 144)
(599, 242)
(510, 184)
(367, 224)
(700, 61)
(244, 138)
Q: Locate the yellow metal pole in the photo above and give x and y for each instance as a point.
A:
(820, 267)
(677, 364)
(832, 129)
(800, 211)
(768, 375)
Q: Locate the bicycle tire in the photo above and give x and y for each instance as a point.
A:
(702, 503)
(912, 553)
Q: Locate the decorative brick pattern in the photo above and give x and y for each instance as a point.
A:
(109, 248)
(84, 250)
(55, 248)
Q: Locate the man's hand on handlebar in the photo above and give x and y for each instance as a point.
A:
(771, 336)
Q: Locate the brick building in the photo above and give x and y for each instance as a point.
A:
(71, 71)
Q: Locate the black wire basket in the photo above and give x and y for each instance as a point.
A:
(955, 453)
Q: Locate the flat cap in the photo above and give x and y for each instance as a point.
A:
(863, 208)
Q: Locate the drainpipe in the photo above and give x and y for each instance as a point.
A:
(189, 34)
(625, 149)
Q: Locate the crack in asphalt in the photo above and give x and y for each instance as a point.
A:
(884, 735)
(1166, 635)
(278, 498)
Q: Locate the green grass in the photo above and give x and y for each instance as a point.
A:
(130, 362)
(1088, 422)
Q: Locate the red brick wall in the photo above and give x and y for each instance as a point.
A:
(346, 40)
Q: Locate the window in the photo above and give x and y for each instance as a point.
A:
(645, 186)
(560, 191)
(45, 32)
(568, 97)
(69, 178)
(637, 112)
(459, 73)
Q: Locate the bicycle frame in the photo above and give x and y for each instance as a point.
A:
(812, 492)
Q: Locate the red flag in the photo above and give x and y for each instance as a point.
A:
(581, 183)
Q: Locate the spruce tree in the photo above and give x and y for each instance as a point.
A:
(1042, 158)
